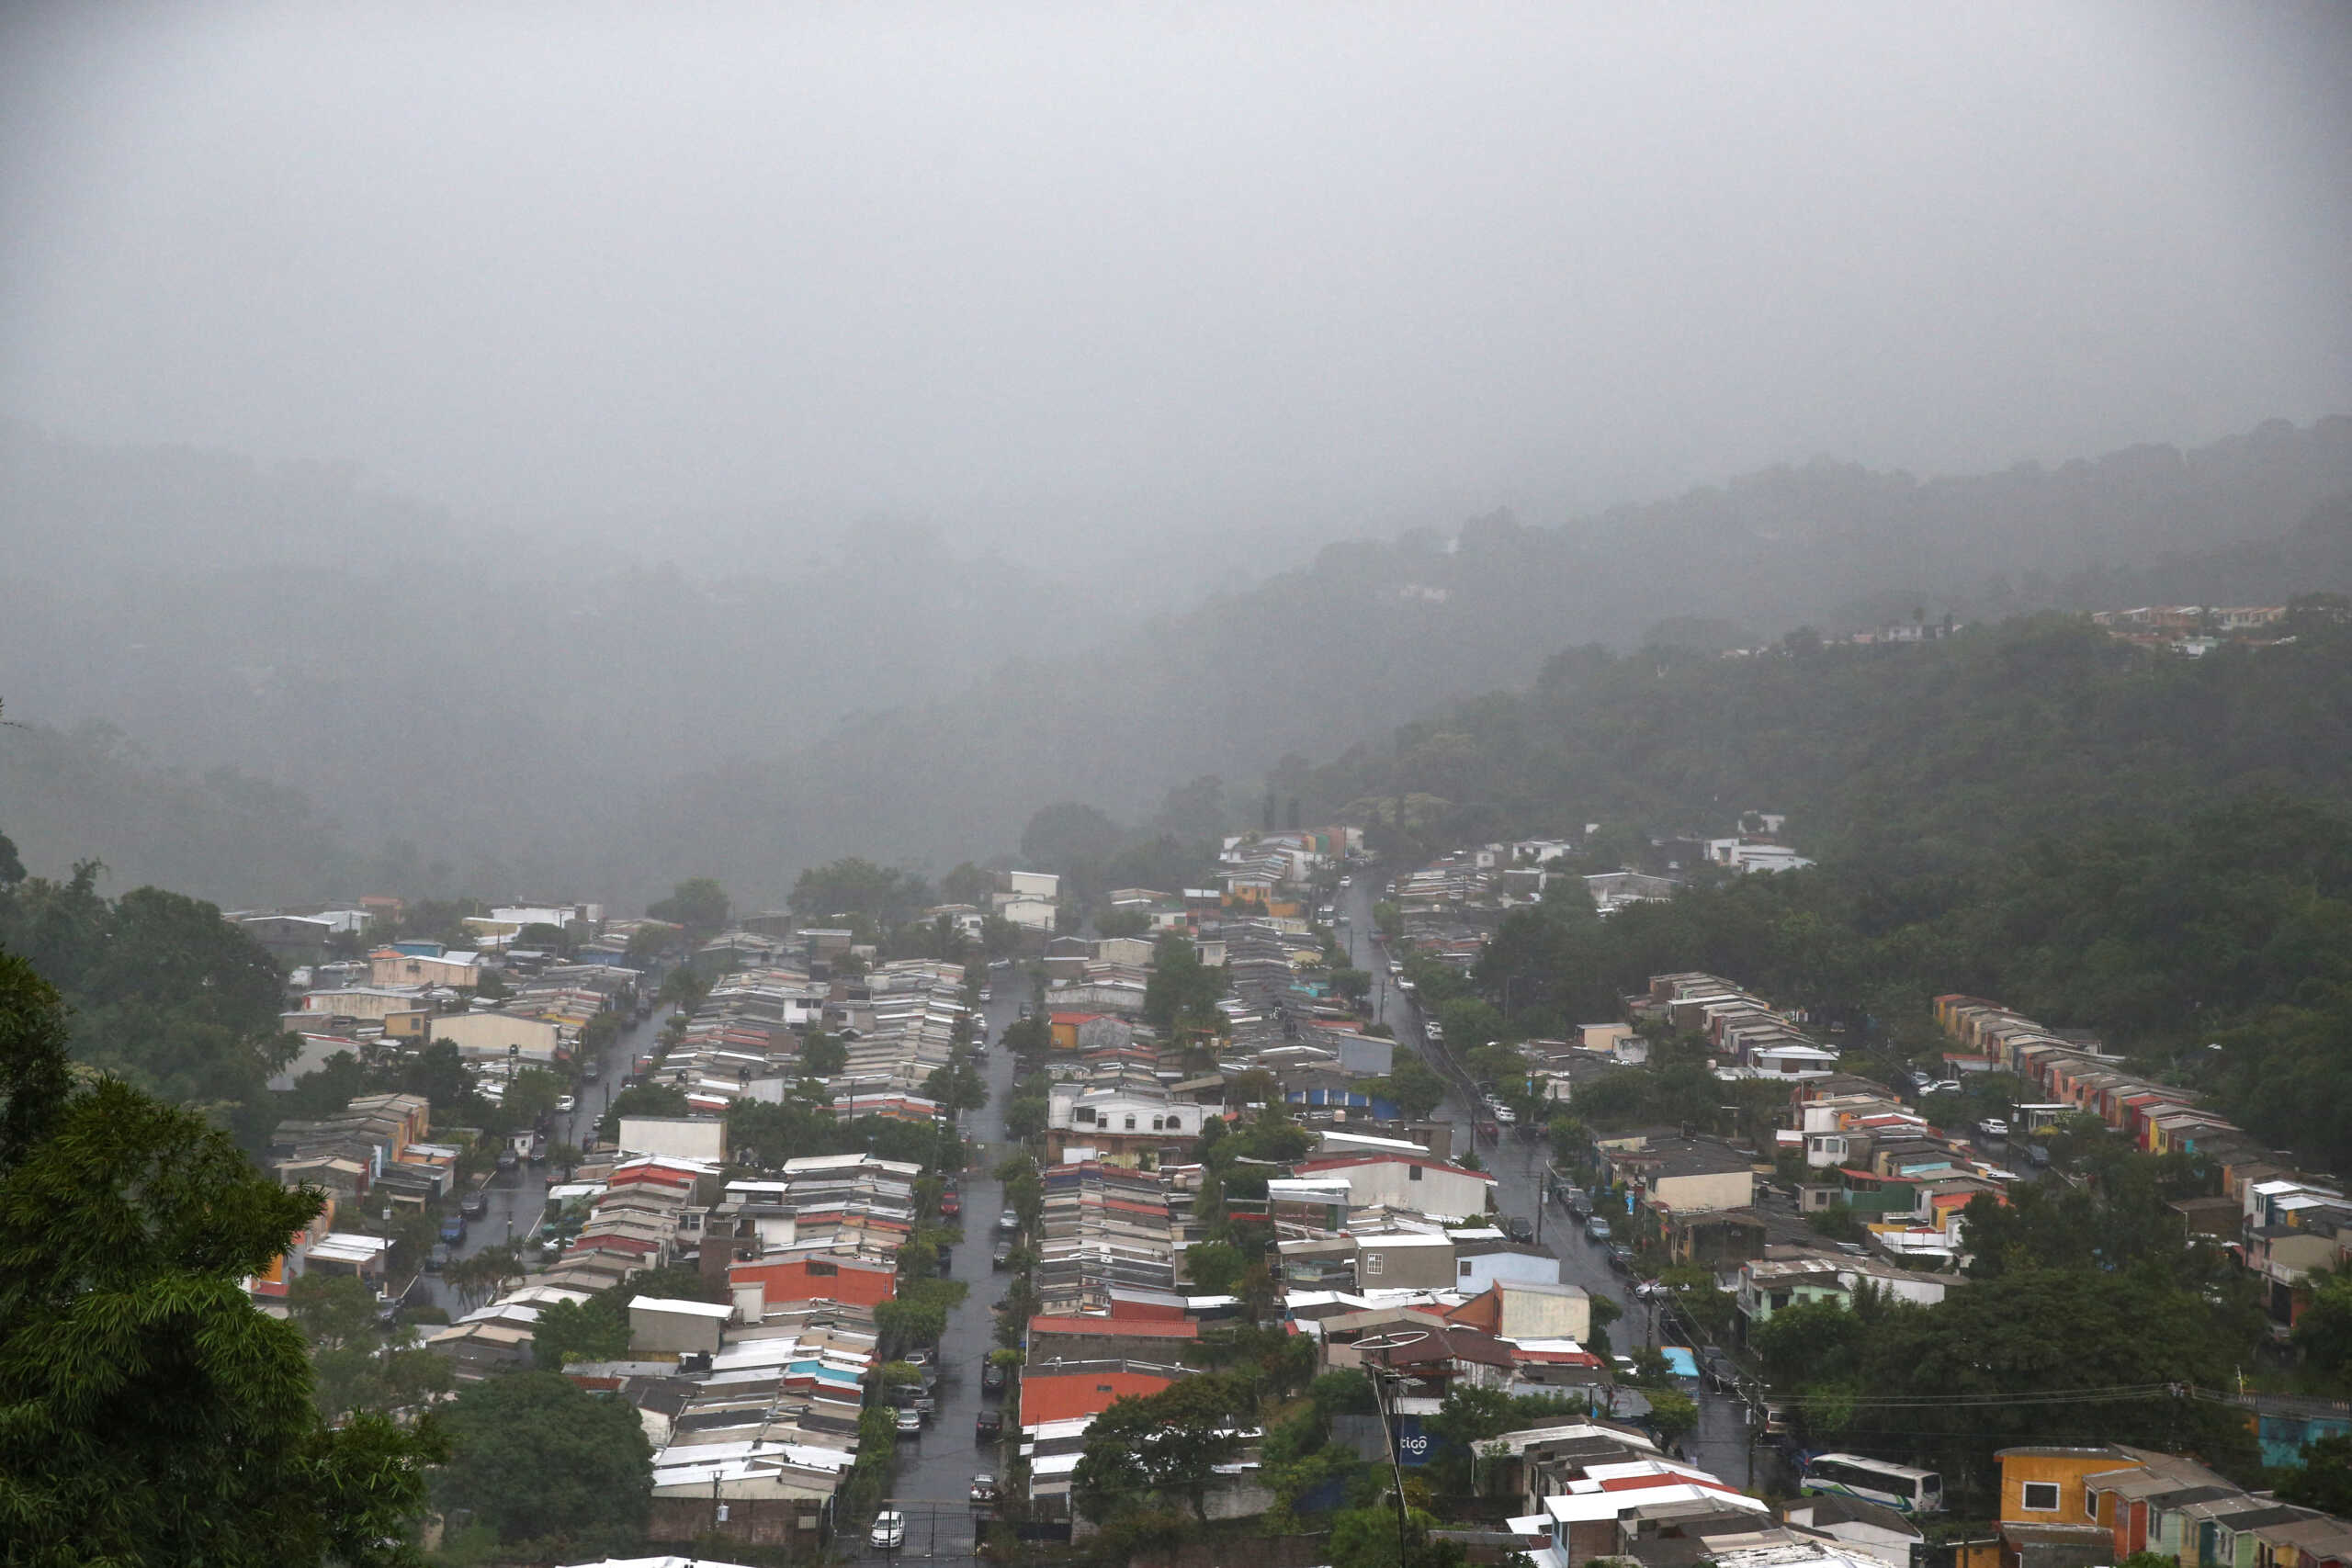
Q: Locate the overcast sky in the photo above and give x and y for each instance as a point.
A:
(1026, 271)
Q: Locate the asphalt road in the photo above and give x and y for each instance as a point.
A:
(1720, 1445)
(935, 1470)
(519, 1197)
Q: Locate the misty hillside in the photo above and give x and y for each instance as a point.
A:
(580, 722)
(1369, 635)
(427, 680)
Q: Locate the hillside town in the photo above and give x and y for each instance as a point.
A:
(907, 1256)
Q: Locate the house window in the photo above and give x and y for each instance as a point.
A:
(1412, 1173)
(1465, 1268)
(824, 1270)
(2042, 1496)
(1372, 1261)
(1131, 1125)
(1083, 1116)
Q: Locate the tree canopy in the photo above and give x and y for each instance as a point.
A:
(153, 1415)
(538, 1459)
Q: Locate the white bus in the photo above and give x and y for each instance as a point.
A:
(1896, 1486)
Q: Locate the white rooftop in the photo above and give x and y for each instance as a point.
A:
(691, 1309)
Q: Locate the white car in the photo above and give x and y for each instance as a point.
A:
(1994, 1127)
(564, 1103)
(1505, 1115)
(1346, 882)
(889, 1531)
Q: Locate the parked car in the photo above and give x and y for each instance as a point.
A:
(1519, 1230)
(1597, 1229)
(2038, 1154)
(1993, 1127)
(452, 1229)
(1434, 1030)
(993, 1377)
(437, 1259)
(590, 1072)
(1506, 1116)
(988, 1425)
(565, 1105)
(1002, 1256)
(1620, 1257)
(889, 1531)
(951, 1205)
(508, 1159)
(947, 1260)
(920, 1356)
(1008, 1222)
(474, 1205)
(910, 1424)
(1720, 1370)
(984, 1489)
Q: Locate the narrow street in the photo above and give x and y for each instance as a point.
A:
(935, 1470)
(518, 1197)
(1721, 1442)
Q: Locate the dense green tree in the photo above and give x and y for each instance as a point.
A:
(2323, 1328)
(2324, 1478)
(1168, 1443)
(1413, 1084)
(1067, 835)
(642, 1099)
(153, 1416)
(699, 905)
(537, 1459)
(1214, 1268)
(1182, 989)
(884, 895)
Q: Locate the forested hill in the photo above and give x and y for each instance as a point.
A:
(578, 724)
(1922, 755)
(2151, 847)
(1369, 635)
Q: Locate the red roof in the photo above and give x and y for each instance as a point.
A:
(1066, 1398)
(1123, 1327)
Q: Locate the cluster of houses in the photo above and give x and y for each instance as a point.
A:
(749, 1392)
(2283, 1223)
(2194, 630)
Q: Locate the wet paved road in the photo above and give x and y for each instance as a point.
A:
(935, 1470)
(518, 1197)
(1720, 1445)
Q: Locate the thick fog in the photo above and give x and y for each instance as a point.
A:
(1138, 277)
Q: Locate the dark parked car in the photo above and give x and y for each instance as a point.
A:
(437, 1259)
(1620, 1257)
(988, 1425)
(993, 1377)
(453, 1228)
(1002, 1256)
(507, 1160)
(474, 1205)
(1720, 1370)
(945, 1254)
(1519, 1230)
